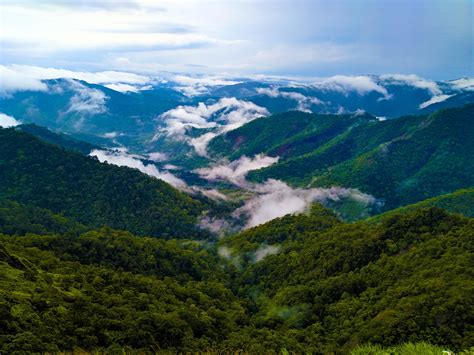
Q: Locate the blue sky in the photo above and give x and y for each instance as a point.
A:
(431, 38)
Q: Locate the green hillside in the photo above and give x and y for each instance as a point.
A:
(19, 219)
(61, 140)
(39, 174)
(402, 161)
(326, 286)
(460, 201)
(407, 279)
(286, 135)
(49, 302)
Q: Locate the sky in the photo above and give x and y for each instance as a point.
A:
(307, 38)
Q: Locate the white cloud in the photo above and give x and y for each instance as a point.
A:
(103, 77)
(345, 84)
(8, 121)
(214, 194)
(225, 115)
(463, 84)
(224, 252)
(434, 100)
(12, 81)
(413, 80)
(257, 255)
(266, 250)
(120, 157)
(171, 167)
(215, 225)
(80, 29)
(120, 87)
(158, 156)
(303, 102)
(192, 86)
(236, 171)
(275, 199)
(111, 135)
(86, 100)
(200, 143)
(25, 77)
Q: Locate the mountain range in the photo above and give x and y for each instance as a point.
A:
(254, 215)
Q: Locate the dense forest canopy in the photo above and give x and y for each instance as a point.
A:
(303, 283)
(66, 182)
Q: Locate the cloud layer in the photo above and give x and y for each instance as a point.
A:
(236, 171)
(29, 78)
(362, 85)
(7, 121)
(86, 101)
(120, 157)
(225, 115)
(413, 80)
(275, 199)
(304, 103)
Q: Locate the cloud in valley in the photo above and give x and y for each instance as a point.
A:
(275, 199)
(434, 100)
(224, 115)
(120, 157)
(12, 81)
(266, 250)
(236, 171)
(158, 156)
(86, 100)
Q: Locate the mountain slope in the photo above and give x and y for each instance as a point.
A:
(53, 301)
(460, 201)
(406, 279)
(286, 135)
(306, 283)
(59, 139)
(43, 175)
(403, 160)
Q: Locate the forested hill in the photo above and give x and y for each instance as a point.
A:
(308, 283)
(47, 176)
(331, 285)
(402, 160)
(59, 139)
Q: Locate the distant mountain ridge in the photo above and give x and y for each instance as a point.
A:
(95, 113)
(403, 161)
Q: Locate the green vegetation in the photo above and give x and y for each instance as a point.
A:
(287, 134)
(95, 257)
(325, 286)
(409, 278)
(402, 161)
(460, 201)
(19, 219)
(406, 349)
(48, 304)
(39, 174)
(61, 140)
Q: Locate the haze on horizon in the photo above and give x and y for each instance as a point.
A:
(431, 38)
